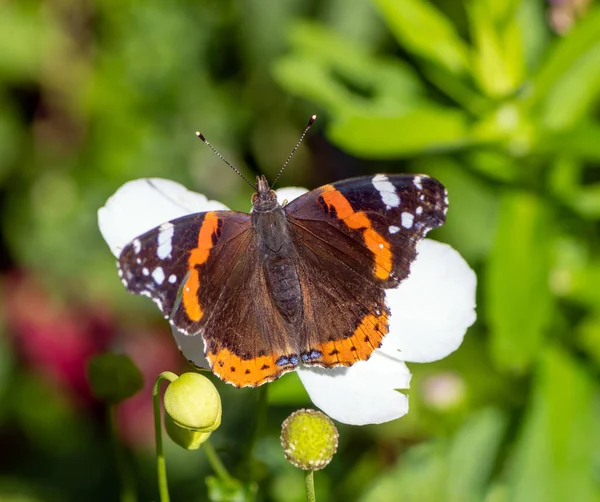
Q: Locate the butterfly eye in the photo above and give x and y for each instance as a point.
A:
(254, 197)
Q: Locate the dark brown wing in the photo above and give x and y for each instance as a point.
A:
(203, 272)
(384, 216)
(354, 239)
(345, 314)
(174, 264)
(247, 341)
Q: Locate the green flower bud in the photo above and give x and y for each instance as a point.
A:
(190, 440)
(309, 439)
(193, 402)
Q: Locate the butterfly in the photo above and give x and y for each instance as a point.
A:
(285, 285)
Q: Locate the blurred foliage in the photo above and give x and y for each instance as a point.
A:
(482, 94)
(114, 377)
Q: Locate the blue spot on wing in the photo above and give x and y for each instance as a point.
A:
(292, 359)
(309, 356)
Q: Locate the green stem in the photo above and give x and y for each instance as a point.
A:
(261, 418)
(127, 484)
(216, 463)
(163, 487)
(309, 484)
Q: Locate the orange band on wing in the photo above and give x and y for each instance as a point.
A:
(245, 372)
(357, 220)
(357, 347)
(198, 256)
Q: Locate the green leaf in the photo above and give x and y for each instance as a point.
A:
(574, 94)
(518, 293)
(425, 31)
(461, 92)
(419, 476)
(553, 459)
(586, 201)
(341, 75)
(573, 58)
(499, 12)
(498, 63)
(494, 164)
(114, 377)
(581, 141)
(458, 471)
(584, 284)
(384, 136)
(535, 33)
(472, 456)
(589, 337)
(566, 181)
(231, 490)
(470, 201)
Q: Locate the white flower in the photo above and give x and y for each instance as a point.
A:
(430, 311)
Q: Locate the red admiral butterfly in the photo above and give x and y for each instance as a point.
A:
(302, 283)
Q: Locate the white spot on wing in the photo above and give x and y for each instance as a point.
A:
(386, 191)
(172, 278)
(137, 246)
(158, 275)
(165, 239)
(394, 229)
(407, 220)
(417, 182)
(419, 210)
(145, 271)
(155, 299)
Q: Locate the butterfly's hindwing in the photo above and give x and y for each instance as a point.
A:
(345, 315)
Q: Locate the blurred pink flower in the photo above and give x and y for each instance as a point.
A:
(55, 340)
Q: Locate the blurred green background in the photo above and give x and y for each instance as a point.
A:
(498, 99)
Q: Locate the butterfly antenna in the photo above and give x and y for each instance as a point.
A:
(308, 126)
(216, 152)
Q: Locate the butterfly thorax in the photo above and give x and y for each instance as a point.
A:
(276, 252)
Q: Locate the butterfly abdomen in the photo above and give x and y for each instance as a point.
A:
(284, 286)
(277, 260)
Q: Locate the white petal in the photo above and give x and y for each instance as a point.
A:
(362, 394)
(140, 205)
(289, 193)
(432, 309)
(191, 347)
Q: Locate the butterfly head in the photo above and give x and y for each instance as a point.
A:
(264, 199)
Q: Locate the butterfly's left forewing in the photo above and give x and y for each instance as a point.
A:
(172, 264)
(204, 273)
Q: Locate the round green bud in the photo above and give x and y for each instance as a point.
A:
(309, 439)
(190, 440)
(193, 402)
